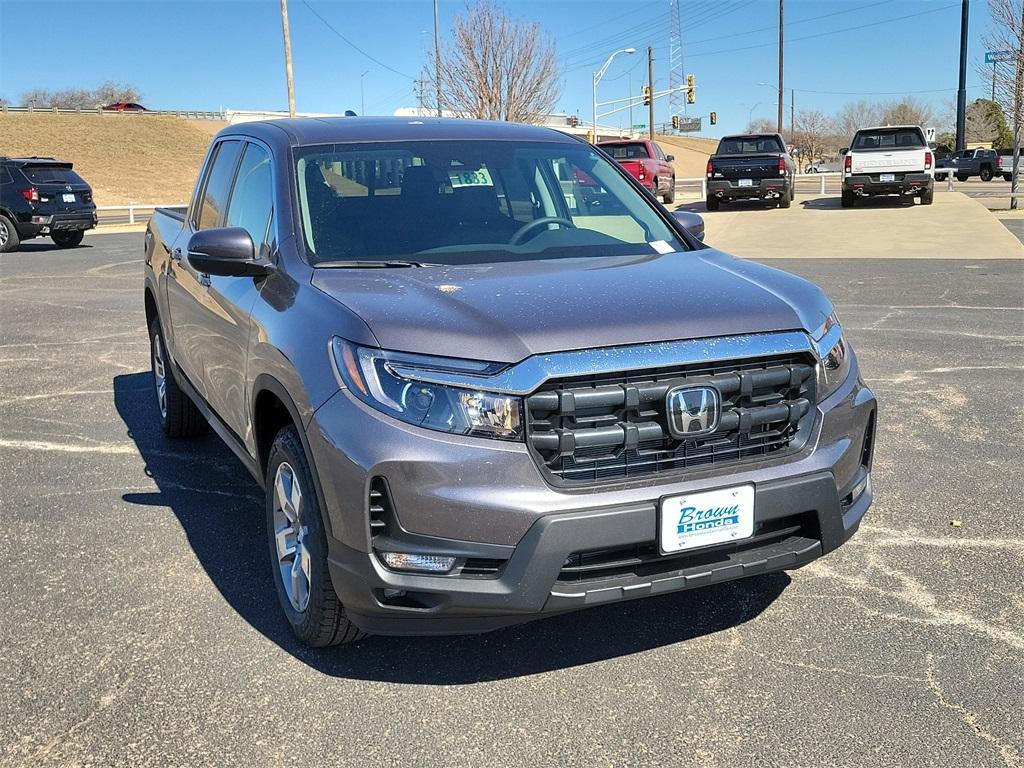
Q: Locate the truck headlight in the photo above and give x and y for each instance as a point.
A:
(835, 360)
(369, 374)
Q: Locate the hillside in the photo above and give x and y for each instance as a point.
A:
(125, 158)
(691, 154)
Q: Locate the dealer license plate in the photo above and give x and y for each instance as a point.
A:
(69, 197)
(746, 182)
(887, 177)
(706, 517)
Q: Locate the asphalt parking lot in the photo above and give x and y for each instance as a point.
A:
(140, 626)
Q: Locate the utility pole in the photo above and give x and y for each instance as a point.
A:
(1018, 94)
(288, 58)
(650, 84)
(362, 96)
(782, 93)
(961, 94)
(437, 61)
(630, 76)
(792, 113)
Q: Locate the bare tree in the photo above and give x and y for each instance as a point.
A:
(980, 124)
(80, 98)
(908, 111)
(854, 116)
(761, 125)
(811, 130)
(496, 68)
(1006, 33)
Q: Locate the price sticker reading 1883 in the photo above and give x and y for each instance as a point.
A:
(478, 178)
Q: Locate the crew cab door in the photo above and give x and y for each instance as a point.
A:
(210, 313)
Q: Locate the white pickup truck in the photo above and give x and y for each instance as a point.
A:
(888, 160)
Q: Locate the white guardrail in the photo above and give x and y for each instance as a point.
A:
(130, 210)
(800, 179)
(186, 114)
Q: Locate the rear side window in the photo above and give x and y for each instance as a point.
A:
(218, 183)
(5, 176)
(48, 174)
(889, 138)
(252, 198)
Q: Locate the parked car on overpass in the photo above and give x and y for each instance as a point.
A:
(124, 106)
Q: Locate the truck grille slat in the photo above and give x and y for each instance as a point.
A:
(615, 426)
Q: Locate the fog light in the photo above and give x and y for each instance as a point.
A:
(860, 487)
(403, 561)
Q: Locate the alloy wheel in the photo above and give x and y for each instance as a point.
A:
(4, 234)
(160, 376)
(293, 556)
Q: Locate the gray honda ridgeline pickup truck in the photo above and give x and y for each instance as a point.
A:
(484, 377)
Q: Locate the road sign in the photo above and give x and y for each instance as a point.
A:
(994, 57)
(688, 124)
(929, 134)
(639, 126)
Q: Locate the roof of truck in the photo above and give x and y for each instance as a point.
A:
(330, 130)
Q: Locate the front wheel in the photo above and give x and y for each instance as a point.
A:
(1007, 177)
(298, 548)
(785, 200)
(67, 239)
(961, 177)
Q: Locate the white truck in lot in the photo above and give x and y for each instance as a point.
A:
(888, 160)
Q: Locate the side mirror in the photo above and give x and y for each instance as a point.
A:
(844, 150)
(226, 251)
(670, 158)
(691, 222)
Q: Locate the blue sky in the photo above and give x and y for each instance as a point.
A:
(198, 54)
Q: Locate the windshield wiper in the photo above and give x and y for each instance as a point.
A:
(370, 264)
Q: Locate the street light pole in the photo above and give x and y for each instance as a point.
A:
(362, 98)
(597, 79)
(961, 94)
(437, 62)
(781, 90)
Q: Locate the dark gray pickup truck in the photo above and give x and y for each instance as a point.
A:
(751, 166)
(484, 377)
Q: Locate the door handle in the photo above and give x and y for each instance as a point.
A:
(176, 254)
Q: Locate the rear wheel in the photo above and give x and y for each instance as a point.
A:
(849, 199)
(8, 235)
(986, 174)
(68, 239)
(927, 196)
(179, 416)
(298, 548)
(712, 203)
(785, 200)
(670, 195)
(1007, 177)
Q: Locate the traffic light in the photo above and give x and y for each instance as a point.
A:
(675, 122)
(714, 118)
(574, 121)
(646, 91)
(691, 94)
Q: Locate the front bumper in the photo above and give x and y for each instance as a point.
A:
(486, 501)
(866, 185)
(730, 190)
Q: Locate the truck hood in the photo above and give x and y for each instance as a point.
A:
(509, 311)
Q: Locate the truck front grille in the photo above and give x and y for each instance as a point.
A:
(586, 430)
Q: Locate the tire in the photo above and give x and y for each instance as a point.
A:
(654, 188)
(961, 177)
(940, 176)
(849, 199)
(986, 174)
(9, 239)
(786, 200)
(927, 196)
(179, 416)
(670, 196)
(1007, 177)
(67, 239)
(712, 203)
(792, 191)
(294, 521)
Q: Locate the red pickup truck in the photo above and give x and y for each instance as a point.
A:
(646, 163)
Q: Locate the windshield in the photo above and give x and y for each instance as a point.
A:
(749, 145)
(633, 151)
(467, 202)
(889, 138)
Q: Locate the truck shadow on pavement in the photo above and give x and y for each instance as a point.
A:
(220, 510)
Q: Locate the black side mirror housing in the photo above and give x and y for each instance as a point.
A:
(844, 150)
(670, 158)
(225, 251)
(691, 222)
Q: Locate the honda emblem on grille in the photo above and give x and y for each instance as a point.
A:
(693, 411)
(67, 187)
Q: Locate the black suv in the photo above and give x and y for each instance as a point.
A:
(43, 196)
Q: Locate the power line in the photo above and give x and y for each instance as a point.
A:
(789, 23)
(352, 45)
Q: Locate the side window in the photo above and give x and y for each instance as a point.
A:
(252, 199)
(658, 153)
(218, 182)
(5, 176)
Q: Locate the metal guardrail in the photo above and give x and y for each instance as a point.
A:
(800, 179)
(186, 114)
(131, 210)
